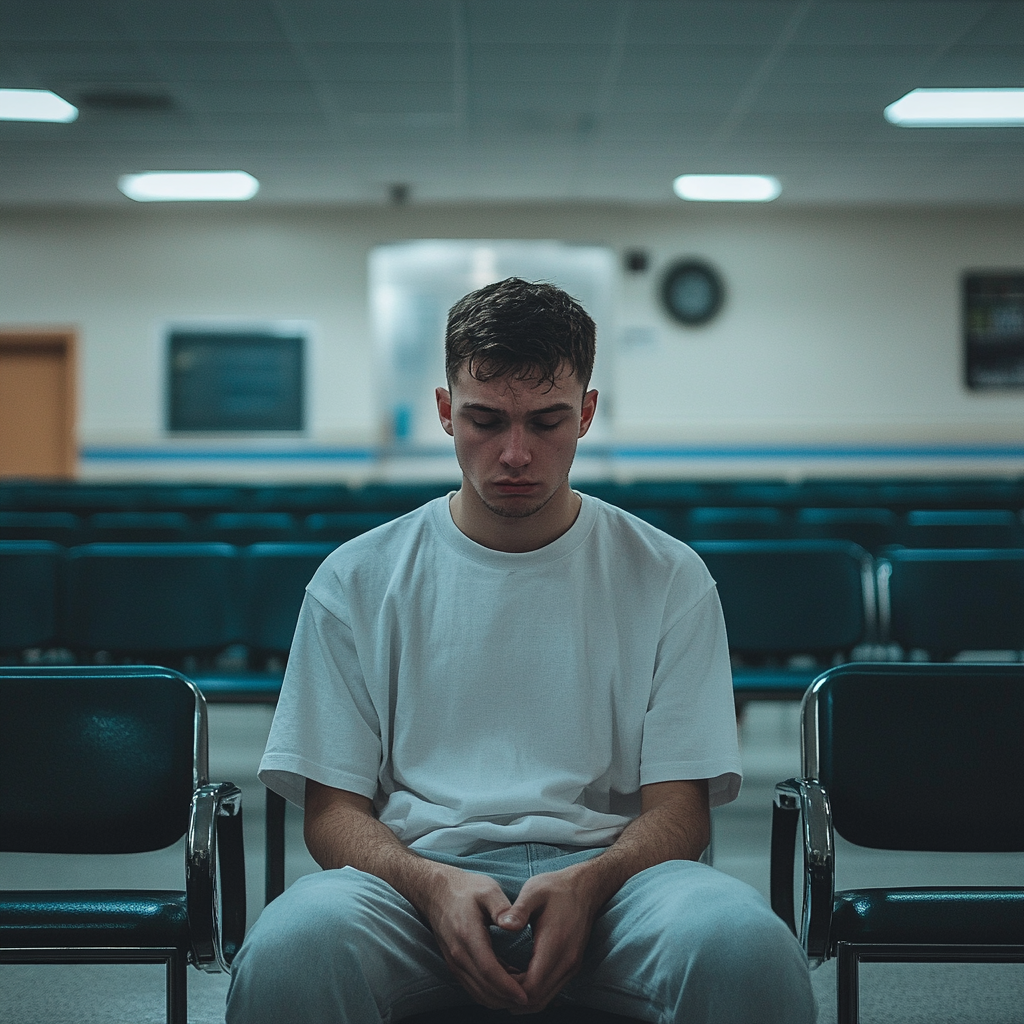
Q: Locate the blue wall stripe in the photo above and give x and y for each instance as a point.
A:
(717, 452)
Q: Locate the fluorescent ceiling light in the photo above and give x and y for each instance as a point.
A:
(727, 188)
(188, 186)
(34, 105)
(958, 108)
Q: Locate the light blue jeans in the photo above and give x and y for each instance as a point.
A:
(680, 942)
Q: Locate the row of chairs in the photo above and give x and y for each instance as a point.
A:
(241, 528)
(938, 771)
(198, 498)
(791, 607)
(871, 528)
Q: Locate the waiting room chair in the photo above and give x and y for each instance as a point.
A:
(243, 528)
(904, 756)
(139, 527)
(947, 601)
(29, 574)
(161, 602)
(735, 523)
(963, 528)
(98, 760)
(339, 527)
(871, 528)
(60, 527)
(785, 600)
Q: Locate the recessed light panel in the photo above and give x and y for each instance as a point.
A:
(34, 105)
(958, 108)
(188, 186)
(727, 188)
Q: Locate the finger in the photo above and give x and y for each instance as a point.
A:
(556, 960)
(479, 971)
(517, 916)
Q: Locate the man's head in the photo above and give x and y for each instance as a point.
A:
(519, 358)
(518, 330)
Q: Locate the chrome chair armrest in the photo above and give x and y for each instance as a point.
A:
(785, 816)
(215, 876)
(804, 800)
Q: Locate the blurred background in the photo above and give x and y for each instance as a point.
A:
(406, 152)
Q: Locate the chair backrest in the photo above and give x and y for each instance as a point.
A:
(919, 756)
(735, 523)
(29, 572)
(98, 759)
(244, 528)
(133, 527)
(343, 526)
(60, 527)
(946, 601)
(963, 528)
(275, 584)
(871, 528)
(152, 597)
(792, 597)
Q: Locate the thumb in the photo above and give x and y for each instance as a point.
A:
(498, 907)
(516, 917)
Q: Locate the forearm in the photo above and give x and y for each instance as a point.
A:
(341, 831)
(675, 825)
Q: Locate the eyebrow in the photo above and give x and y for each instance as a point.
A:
(558, 407)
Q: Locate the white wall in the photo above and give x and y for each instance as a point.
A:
(838, 349)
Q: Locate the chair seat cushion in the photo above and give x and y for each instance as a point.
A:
(87, 918)
(925, 916)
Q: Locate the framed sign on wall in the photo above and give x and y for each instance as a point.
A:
(994, 330)
(224, 379)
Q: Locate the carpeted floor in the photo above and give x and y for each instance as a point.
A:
(890, 993)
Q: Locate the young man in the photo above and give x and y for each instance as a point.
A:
(506, 715)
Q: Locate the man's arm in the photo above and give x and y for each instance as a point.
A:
(674, 824)
(341, 830)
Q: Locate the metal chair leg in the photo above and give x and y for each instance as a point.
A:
(847, 984)
(177, 989)
(274, 879)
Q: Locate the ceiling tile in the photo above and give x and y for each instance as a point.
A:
(569, 23)
(727, 22)
(978, 67)
(426, 22)
(379, 62)
(854, 64)
(671, 65)
(882, 22)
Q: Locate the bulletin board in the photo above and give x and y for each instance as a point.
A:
(234, 381)
(994, 330)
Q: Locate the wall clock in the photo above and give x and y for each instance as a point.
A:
(692, 292)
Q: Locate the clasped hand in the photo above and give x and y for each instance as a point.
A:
(557, 906)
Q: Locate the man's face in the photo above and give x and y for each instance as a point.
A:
(515, 440)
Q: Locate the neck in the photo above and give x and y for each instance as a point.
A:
(514, 535)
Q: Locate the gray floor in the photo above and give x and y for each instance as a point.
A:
(891, 994)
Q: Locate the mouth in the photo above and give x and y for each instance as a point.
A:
(515, 486)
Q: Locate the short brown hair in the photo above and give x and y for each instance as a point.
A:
(522, 330)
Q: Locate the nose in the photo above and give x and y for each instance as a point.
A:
(515, 452)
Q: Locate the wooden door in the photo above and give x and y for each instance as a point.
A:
(37, 403)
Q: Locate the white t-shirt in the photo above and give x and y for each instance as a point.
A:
(480, 696)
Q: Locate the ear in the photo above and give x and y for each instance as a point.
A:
(587, 413)
(444, 409)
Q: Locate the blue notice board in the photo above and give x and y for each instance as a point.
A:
(234, 381)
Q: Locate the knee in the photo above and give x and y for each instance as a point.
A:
(738, 960)
(302, 955)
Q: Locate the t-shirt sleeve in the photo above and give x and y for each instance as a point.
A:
(326, 726)
(690, 725)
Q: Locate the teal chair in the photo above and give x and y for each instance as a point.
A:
(101, 760)
(904, 756)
